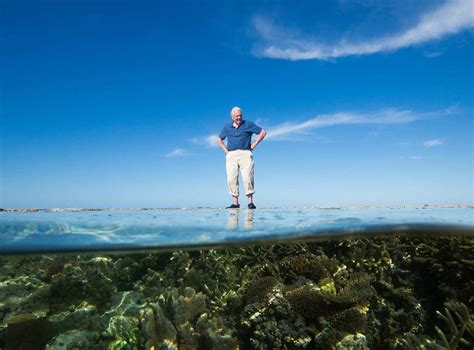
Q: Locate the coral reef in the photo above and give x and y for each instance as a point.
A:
(459, 323)
(311, 266)
(272, 324)
(92, 280)
(368, 293)
(74, 339)
(259, 290)
(25, 331)
(352, 342)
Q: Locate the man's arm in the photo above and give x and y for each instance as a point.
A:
(259, 138)
(221, 143)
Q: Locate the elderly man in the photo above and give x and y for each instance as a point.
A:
(239, 154)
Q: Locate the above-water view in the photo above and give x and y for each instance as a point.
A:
(203, 278)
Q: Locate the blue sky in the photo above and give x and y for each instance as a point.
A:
(115, 103)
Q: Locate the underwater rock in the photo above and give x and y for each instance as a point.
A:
(25, 331)
(74, 339)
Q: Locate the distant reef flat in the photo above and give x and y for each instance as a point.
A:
(424, 206)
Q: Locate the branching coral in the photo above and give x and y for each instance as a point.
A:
(459, 323)
(456, 332)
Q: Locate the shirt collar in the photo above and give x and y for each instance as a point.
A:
(232, 124)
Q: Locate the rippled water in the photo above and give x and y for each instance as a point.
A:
(275, 278)
(68, 230)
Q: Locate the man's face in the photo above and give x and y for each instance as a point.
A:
(237, 117)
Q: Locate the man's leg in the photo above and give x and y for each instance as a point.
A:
(232, 168)
(247, 168)
(250, 198)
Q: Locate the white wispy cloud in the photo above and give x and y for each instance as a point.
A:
(209, 140)
(177, 152)
(386, 116)
(297, 131)
(432, 143)
(450, 18)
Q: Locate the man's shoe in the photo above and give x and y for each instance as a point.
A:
(252, 206)
(233, 206)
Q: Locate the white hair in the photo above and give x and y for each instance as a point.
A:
(235, 109)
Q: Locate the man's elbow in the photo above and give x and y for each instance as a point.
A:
(263, 133)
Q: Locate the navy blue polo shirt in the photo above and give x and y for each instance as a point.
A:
(241, 137)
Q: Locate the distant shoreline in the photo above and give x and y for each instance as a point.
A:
(424, 206)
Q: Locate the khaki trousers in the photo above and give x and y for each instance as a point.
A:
(243, 160)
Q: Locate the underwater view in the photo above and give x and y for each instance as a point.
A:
(312, 278)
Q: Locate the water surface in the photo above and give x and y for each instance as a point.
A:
(71, 230)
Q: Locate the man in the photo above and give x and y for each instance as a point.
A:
(239, 154)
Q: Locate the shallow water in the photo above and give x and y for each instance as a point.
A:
(70, 230)
(373, 278)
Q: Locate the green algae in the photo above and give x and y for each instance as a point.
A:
(368, 293)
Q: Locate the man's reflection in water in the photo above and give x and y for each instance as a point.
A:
(233, 220)
(248, 225)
